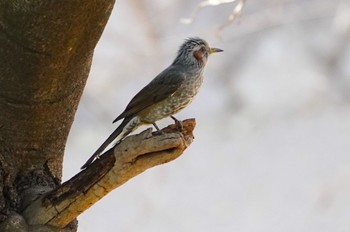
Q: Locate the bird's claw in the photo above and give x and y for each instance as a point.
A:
(178, 123)
(158, 132)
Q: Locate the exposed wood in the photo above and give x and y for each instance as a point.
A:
(131, 157)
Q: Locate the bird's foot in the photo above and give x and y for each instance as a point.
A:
(178, 123)
(158, 132)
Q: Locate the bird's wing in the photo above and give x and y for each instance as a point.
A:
(161, 87)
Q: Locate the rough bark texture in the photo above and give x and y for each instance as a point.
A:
(46, 49)
(116, 166)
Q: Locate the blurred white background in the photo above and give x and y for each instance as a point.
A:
(272, 143)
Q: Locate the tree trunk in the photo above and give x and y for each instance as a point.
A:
(46, 49)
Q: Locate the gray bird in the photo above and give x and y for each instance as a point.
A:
(168, 93)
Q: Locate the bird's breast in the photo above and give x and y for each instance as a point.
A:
(181, 98)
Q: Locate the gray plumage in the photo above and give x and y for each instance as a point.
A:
(168, 93)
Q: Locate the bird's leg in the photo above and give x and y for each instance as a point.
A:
(155, 125)
(158, 132)
(178, 123)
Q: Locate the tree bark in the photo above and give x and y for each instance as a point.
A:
(45, 56)
(46, 48)
(131, 157)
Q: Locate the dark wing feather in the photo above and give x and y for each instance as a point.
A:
(161, 87)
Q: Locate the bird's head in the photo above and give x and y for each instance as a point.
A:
(195, 51)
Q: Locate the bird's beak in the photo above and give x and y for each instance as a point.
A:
(215, 50)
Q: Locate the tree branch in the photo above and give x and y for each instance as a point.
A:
(131, 157)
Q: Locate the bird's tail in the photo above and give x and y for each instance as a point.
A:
(108, 141)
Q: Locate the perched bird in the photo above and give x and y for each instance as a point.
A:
(168, 93)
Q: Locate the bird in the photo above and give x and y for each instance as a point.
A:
(168, 93)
